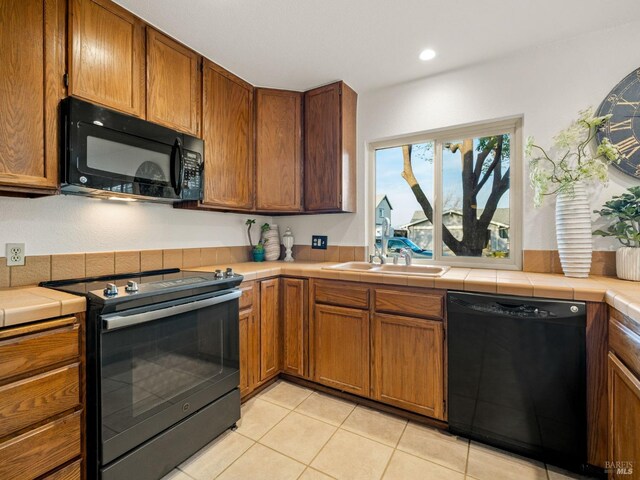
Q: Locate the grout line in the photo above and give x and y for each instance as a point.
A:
(466, 463)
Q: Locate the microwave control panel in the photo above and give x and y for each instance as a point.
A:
(192, 175)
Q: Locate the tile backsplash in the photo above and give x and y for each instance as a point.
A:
(40, 268)
(603, 262)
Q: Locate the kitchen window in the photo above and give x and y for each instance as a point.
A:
(452, 196)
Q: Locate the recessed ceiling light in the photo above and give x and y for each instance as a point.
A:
(427, 54)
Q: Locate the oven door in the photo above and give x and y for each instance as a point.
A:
(159, 366)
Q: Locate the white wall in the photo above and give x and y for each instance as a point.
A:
(69, 224)
(547, 85)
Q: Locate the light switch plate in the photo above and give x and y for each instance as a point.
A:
(15, 254)
(319, 242)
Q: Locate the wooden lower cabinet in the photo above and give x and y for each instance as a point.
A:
(341, 348)
(270, 342)
(624, 421)
(407, 364)
(38, 451)
(249, 351)
(72, 471)
(295, 325)
(41, 398)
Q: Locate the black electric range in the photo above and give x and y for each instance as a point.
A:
(162, 355)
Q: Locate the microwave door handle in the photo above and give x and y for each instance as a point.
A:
(112, 322)
(176, 167)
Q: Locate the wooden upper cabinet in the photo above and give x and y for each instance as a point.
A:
(330, 149)
(106, 55)
(173, 84)
(32, 59)
(278, 150)
(624, 420)
(408, 367)
(227, 130)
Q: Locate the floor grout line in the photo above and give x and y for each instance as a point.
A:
(499, 454)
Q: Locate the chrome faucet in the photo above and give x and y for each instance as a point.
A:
(385, 234)
(379, 256)
(403, 253)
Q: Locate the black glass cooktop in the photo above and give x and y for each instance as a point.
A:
(156, 283)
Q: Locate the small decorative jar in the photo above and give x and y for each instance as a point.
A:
(287, 241)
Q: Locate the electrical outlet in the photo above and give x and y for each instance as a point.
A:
(15, 254)
(319, 242)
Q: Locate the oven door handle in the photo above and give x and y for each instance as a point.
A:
(112, 322)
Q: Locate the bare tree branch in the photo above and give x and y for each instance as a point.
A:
(497, 160)
(482, 156)
(407, 173)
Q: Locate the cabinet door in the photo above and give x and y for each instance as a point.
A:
(341, 348)
(330, 149)
(408, 357)
(624, 420)
(278, 150)
(32, 59)
(106, 62)
(269, 328)
(249, 351)
(173, 84)
(227, 127)
(295, 325)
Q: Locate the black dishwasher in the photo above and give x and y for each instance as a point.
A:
(517, 375)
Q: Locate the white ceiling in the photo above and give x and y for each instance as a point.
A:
(300, 44)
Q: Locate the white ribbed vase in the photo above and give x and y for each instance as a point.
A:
(628, 263)
(573, 231)
(272, 247)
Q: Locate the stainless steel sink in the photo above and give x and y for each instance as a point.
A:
(418, 270)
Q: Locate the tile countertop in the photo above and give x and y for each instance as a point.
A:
(623, 295)
(30, 304)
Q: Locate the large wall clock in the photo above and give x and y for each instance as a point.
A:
(623, 102)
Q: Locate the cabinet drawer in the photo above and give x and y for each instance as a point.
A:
(246, 300)
(343, 294)
(72, 471)
(29, 352)
(38, 451)
(409, 303)
(626, 344)
(37, 398)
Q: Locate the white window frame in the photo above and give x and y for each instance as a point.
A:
(512, 126)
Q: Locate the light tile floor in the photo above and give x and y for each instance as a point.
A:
(290, 432)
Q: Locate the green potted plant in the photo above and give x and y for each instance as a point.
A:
(257, 251)
(624, 211)
(565, 173)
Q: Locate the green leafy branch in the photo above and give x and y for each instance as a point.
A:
(624, 210)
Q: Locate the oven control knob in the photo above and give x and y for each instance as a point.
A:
(111, 290)
(219, 274)
(229, 272)
(131, 286)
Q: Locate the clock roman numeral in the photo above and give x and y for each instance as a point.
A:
(614, 127)
(628, 147)
(627, 103)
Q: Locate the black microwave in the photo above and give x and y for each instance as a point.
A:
(113, 155)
